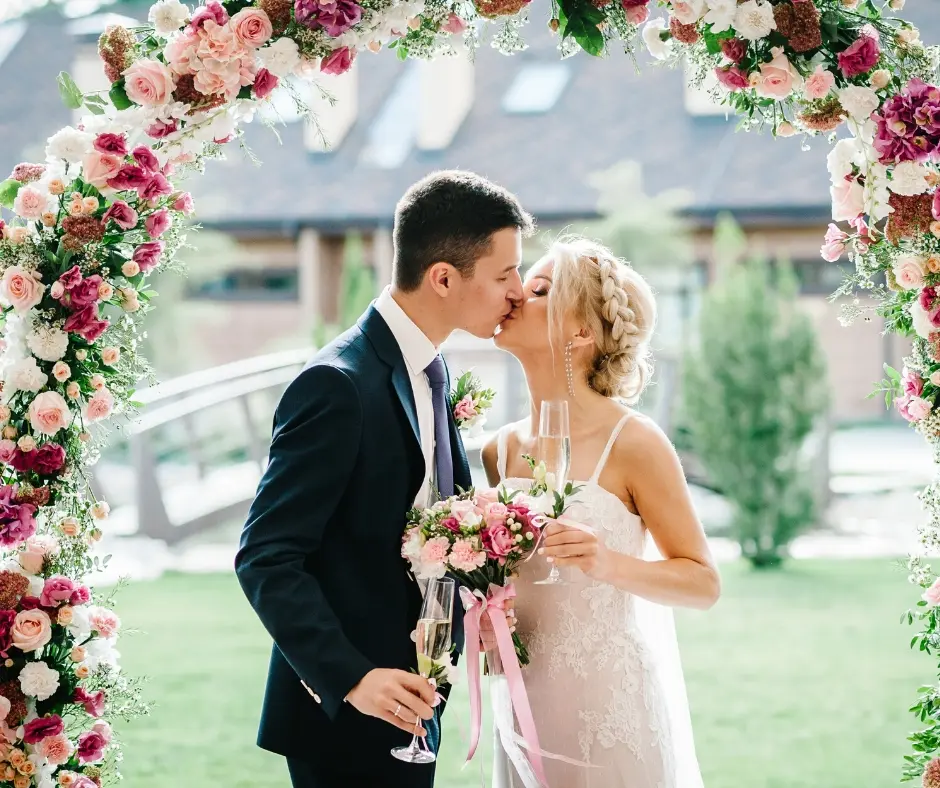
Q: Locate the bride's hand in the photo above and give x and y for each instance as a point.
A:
(567, 546)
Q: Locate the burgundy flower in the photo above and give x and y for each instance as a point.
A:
(91, 746)
(30, 603)
(157, 186)
(146, 158)
(111, 143)
(93, 702)
(734, 49)
(334, 16)
(130, 176)
(265, 82)
(86, 324)
(23, 461)
(213, 10)
(43, 727)
(7, 617)
(50, 458)
(451, 524)
(732, 77)
(12, 587)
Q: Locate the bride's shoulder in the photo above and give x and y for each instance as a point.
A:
(641, 440)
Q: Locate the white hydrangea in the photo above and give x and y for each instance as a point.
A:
(38, 680)
(859, 101)
(281, 57)
(909, 178)
(47, 342)
(168, 16)
(843, 155)
(101, 652)
(24, 375)
(69, 144)
(754, 20)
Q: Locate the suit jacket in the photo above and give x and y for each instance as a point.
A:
(320, 554)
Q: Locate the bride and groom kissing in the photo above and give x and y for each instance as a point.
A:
(365, 432)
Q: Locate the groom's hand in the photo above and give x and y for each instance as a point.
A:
(396, 696)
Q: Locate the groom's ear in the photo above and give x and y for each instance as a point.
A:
(441, 278)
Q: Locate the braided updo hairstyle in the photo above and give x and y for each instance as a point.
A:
(606, 295)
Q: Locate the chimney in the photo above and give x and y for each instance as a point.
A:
(446, 99)
(335, 114)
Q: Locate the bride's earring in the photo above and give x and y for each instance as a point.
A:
(569, 370)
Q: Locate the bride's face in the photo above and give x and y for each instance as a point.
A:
(526, 329)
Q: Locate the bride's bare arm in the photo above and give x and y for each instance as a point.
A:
(687, 576)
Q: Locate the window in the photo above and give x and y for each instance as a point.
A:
(248, 284)
(393, 132)
(818, 277)
(536, 88)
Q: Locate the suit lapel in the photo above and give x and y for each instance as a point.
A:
(401, 380)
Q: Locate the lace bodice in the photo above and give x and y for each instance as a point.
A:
(590, 666)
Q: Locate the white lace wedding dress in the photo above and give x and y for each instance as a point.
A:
(604, 682)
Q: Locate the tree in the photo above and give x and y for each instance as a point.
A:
(357, 290)
(754, 388)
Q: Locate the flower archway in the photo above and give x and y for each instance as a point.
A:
(102, 212)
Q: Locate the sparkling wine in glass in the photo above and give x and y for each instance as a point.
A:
(554, 449)
(433, 644)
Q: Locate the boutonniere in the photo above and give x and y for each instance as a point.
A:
(469, 402)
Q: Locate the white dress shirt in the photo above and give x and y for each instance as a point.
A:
(418, 352)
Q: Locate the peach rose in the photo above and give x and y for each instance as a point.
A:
(90, 204)
(56, 186)
(81, 355)
(4, 417)
(22, 780)
(9, 432)
(935, 229)
(100, 405)
(21, 289)
(32, 561)
(48, 220)
(149, 83)
(880, 79)
(65, 616)
(101, 510)
(49, 413)
(97, 382)
(251, 27)
(69, 526)
(18, 235)
(78, 654)
(72, 390)
(67, 779)
(130, 269)
(61, 371)
(110, 356)
(933, 264)
(778, 78)
(909, 271)
(82, 671)
(26, 444)
(32, 629)
(819, 83)
(98, 168)
(105, 291)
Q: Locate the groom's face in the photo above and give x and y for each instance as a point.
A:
(495, 289)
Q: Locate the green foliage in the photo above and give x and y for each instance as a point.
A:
(754, 388)
(357, 290)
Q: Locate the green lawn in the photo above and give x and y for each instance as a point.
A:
(796, 679)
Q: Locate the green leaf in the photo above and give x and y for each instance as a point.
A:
(95, 109)
(402, 53)
(579, 20)
(892, 373)
(70, 92)
(119, 96)
(94, 98)
(8, 191)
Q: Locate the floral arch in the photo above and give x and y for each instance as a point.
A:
(91, 222)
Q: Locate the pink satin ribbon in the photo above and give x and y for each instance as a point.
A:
(494, 606)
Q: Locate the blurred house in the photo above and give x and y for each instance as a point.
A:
(534, 123)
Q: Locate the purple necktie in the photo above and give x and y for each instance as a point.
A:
(443, 458)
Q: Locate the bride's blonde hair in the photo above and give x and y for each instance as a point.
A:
(606, 295)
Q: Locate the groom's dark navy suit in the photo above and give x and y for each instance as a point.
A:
(320, 557)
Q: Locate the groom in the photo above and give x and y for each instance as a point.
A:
(362, 435)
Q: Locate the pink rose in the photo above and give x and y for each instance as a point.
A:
(466, 512)
(834, 247)
(495, 514)
(147, 255)
(30, 203)
(732, 77)
(93, 702)
(123, 215)
(497, 541)
(158, 223)
(252, 27)
(482, 497)
(265, 82)
(861, 57)
(212, 10)
(130, 176)
(99, 168)
(819, 83)
(465, 409)
(637, 14)
(57, 290)
(80, 596)
(20, 289)
(160, 129)
(149, 83)
(56, 590)
(909, 272)
(104, 621)
(7, 450)
(454, 25)
(778, 77)
(103, 728)
(848, 199)
(91, 746)
(49, 413)
(111, 143)
(32, 629)
(184, 203)
(100, 405)
(146, 158)
(56, 749)
(157, 186)
(919, 408)
(338, 62)
(41, 728)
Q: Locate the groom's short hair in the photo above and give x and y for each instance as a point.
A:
(450, 216)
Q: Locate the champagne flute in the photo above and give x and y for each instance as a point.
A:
(554, 449)
(433, 643)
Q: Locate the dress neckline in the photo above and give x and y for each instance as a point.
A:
(588, 483)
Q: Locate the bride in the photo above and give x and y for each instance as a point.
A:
(605, 682)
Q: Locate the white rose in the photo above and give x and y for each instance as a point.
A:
(38, 680)
(754, 20)
(281, 57)
(36, 585)
(909, 178)
(721, 14)
(168, 16)
(69, 144)
(858, 101)
(935, 377)
(909, 271)
(921, 321)
(24, 375)
(840, 159)
(48, 343)
(658, 48)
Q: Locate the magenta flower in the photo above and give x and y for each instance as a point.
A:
(147, 255)
(57, 589)
(265, 82)
(334, 16)
(16, 519)
(908, 126)
(111, 143)
(71, 277)
(123, 215)
(338, 62)
(93, 702)
(146, 158)
(130, 176)
(43, 727)
(85, 292)
(158, 223)
(50, 459)
(732, 77)
(156, 186)
(91, 746)
(212, 10)
(861, 57)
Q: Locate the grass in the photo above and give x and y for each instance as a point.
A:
(797, 678)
